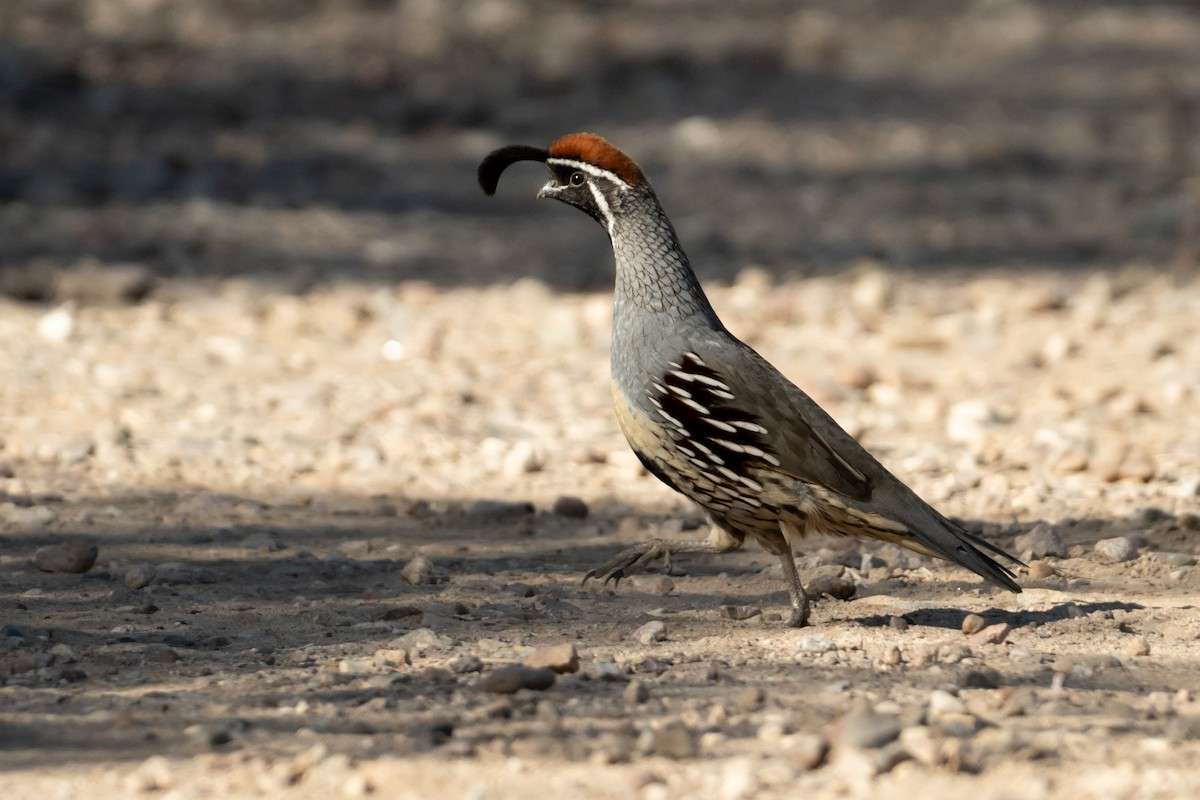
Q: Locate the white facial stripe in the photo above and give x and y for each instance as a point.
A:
(590, 169)
(602, 204)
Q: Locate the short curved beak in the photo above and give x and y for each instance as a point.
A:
(549, 190)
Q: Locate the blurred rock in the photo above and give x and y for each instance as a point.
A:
(514, 677)
(570, 507)
(1117, 549)
(560, 658)
(1040, 541)
(74, 555)
(90, 283)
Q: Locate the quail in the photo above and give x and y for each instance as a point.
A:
(708, 415)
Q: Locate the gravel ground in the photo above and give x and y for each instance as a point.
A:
(306, 445)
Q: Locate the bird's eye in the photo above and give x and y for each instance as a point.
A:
(576, 179)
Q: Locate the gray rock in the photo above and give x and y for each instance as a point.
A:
(836, 587)
(514, 677)
(73, 555)
(1174, 559)
(605, 671)
(1040, 541)
(499, 509)
(1117, 549)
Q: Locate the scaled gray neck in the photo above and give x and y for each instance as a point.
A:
(653, 273)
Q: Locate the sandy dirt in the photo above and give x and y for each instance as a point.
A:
(335, 429)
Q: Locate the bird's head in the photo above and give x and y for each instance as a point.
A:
(585, 171)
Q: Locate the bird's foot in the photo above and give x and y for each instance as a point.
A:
(630, 560)
(798, 618)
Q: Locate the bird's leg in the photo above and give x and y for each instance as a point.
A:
(635, 558)
(799, 617)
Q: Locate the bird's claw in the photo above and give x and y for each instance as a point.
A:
(629, 561)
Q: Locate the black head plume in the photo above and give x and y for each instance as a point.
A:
(497, 161)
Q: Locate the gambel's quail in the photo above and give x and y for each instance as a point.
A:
(708, 415)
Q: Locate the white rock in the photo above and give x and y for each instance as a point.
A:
(57, 325)
(522, 458)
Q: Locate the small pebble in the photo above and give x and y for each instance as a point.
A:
(653, 584)
(560, 658)
(747, 700)
(973, 623)
(152, 775)
(1117, 549)
(953, 652)
(524, 457)
(26, 516)
(420, 641)
(73, 555)
(140, 576)
(514, 677)
(464, 663)
(652, 632)
(920, 743)
(354, 666)
(1039, 570)
(437, 674)
(1138, 646)
(673, 740)
(942, 703)
(992, 634)
(1174, 559)
(570, 507)
(63, 653)
(868, 729)
(898, 623)
(636, 692)
(1040, 541)
(806, 751)
(815, 644)
(741, 612)
(418, 571)
(499, 509)
(218, 735)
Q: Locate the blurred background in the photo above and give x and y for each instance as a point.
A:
(302, 142)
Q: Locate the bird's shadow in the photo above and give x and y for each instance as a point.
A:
(952, 618)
